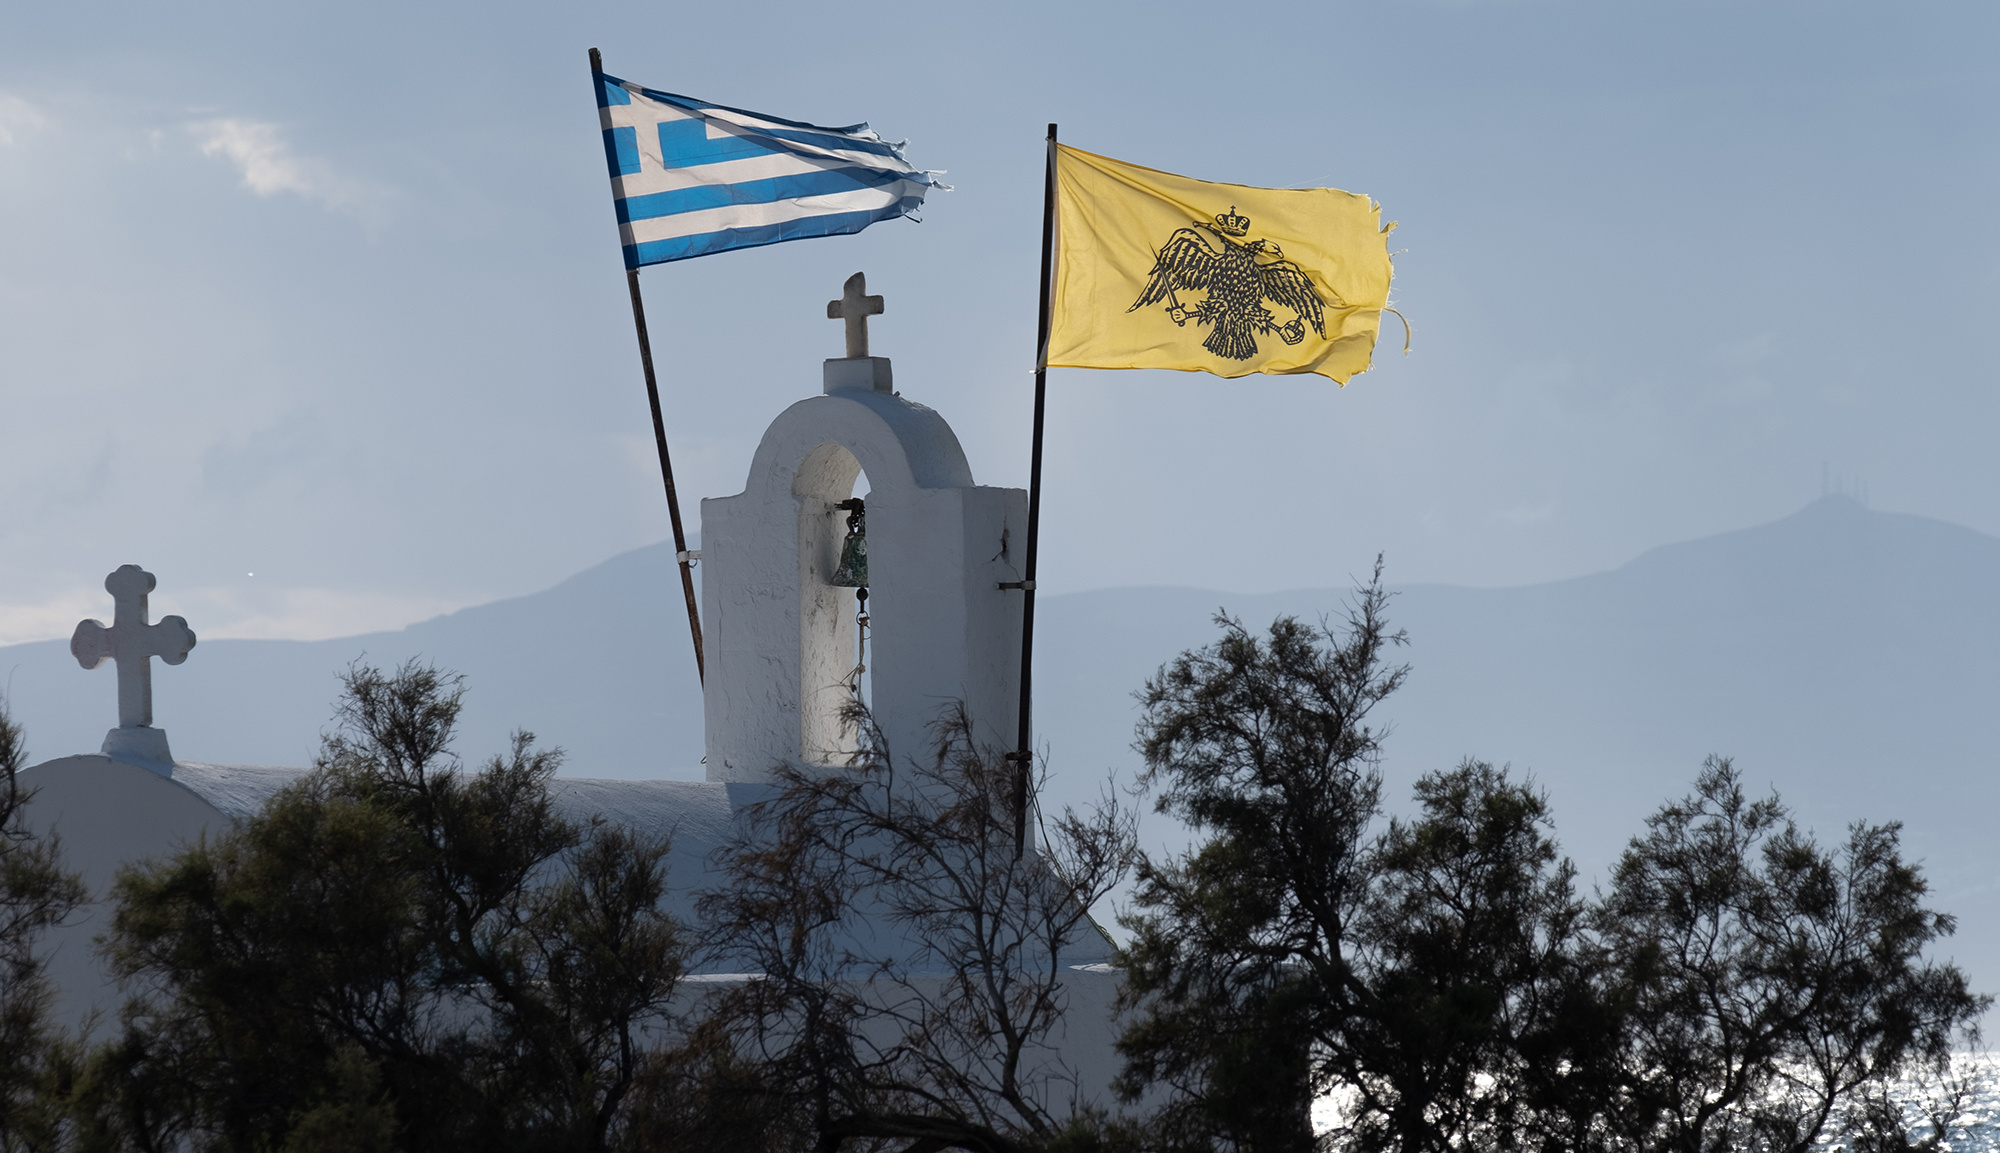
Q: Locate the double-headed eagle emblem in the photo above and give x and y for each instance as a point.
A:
(1237, 278)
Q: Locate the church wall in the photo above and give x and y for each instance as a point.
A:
(750, 632)
(919, 616)
(750, 629)
(944, 629)
(996, 534)
(106, 814)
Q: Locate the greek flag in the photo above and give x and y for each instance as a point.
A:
(690, 178)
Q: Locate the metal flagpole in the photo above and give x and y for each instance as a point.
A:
(660, 434)
(1023, 755)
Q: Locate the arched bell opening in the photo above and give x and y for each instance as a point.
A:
(834, 607)
(780, 634)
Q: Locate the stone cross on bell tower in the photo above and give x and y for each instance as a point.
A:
(857, 369)
(133, 643)
(855, 306)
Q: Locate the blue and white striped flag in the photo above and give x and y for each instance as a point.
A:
(690, 178)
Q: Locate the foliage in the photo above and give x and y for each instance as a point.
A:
(1474, 1012)
(1440, 979)
(1771, 982)
(36, 894)
(395, 953)
(1241, 960)
(911, 953)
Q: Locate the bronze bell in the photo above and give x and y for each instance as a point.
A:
(852, 571)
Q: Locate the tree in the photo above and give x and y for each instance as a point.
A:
(910, 953)
(1775, 987)
(1441, 980)
(1241, 958)
(395, 951)
(1425, 974)
(1476, 1019)
(36, 894)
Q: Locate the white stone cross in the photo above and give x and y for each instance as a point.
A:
(132, 643)
(855, 306)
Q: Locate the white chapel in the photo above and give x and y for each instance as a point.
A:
(787, 635)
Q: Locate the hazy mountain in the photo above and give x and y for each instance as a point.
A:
(1849, 657)
(593, 664)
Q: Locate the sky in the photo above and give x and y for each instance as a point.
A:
(316, 310)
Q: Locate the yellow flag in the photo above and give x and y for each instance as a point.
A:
(1155, 270)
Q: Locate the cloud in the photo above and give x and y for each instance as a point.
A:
(218, 612)
(307, 613)
(262, 154)
(18, 118)
(1525, 514)
(1749, 350)
(51, 619)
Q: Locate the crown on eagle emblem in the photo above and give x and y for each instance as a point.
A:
(1231, 223)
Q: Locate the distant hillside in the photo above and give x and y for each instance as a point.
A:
(593, 664)
(1849, 657)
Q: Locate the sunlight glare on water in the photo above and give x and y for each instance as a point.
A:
(1974, 1129)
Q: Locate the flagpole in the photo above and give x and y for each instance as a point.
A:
(1024, 753)
(660, 433)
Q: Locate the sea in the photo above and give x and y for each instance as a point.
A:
(1964, 1102)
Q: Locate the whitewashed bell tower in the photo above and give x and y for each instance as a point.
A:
(781, 637)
